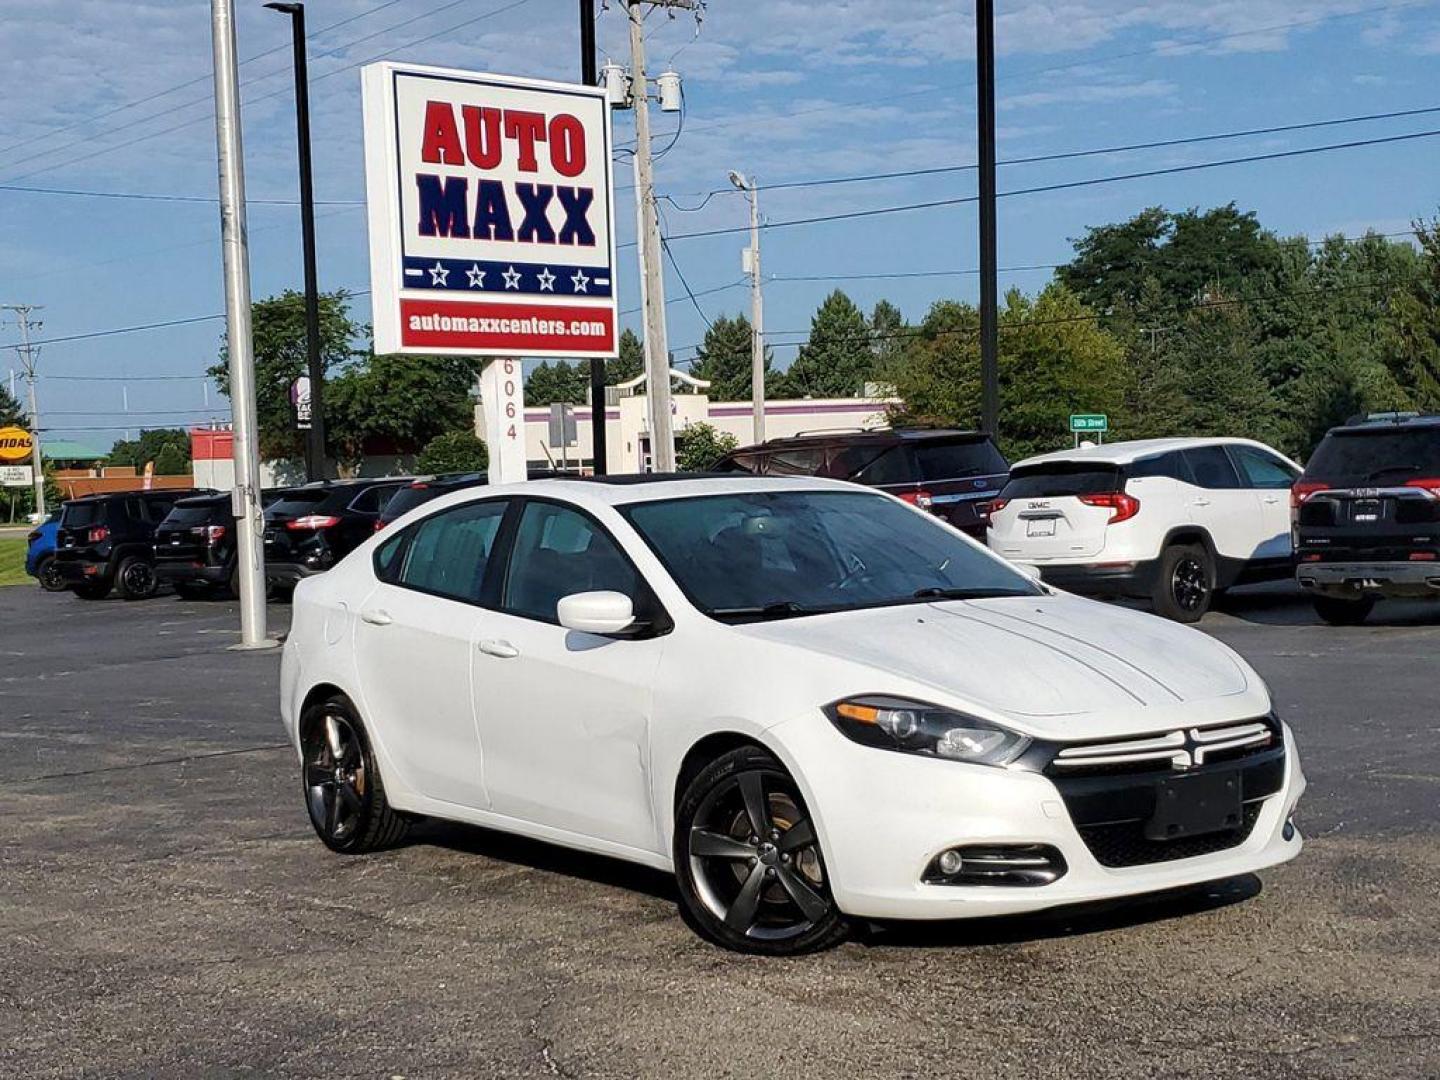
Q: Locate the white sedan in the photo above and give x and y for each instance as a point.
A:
(811, 701)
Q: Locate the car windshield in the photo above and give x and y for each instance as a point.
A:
(778, 554)
(298, 502)
(407, 498)
(1381, 455)
(1059, 478)
(957, 459)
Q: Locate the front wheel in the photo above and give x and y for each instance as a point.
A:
(1185, 583)
(343, 790)
(1338, 611)
(748, 861)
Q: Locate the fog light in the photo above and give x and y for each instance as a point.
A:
(950, 862)
(1288, 832)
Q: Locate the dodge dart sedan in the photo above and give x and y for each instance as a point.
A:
(812, 702)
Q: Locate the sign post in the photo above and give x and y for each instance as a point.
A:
(491, 226)
(1089, 424)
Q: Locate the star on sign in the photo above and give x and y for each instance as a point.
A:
(547, 280)
(438, 274)
(512, 278)
(581, 282)
(476, 276)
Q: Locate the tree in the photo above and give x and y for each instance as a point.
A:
(726, 359)
(700, 445)
(280, 358)
(10, 410)
(559, 382)
(171, 461)
(404, 400)
(630, 363)
(150, 446)
(837, 360)
(888, 333)
(454, 451)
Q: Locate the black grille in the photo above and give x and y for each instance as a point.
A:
(1125, 843)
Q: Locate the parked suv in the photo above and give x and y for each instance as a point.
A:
(309, 529)
(195, 547)
(105, 542)
(1171, 520)
(40, 553)
(424, 488)
(1367, 516)
(953, 474)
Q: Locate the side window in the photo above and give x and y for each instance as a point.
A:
(135, 510)
(805, 461)
(892, 467)
(1171, 466)
(1262, 470)
(387, 557)
(370, 500)
(557, 552)
(1212, 468)
(447, 552)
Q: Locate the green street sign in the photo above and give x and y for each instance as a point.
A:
(1089, 422)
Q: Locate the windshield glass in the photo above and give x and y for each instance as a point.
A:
(200, 514)
(407, 498)
(957, 460)
(1388, 457)
(777, 554)
(1059, 478)
(81, 515)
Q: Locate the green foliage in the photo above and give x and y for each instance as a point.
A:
(558, 382)
(837, 359)
(726, 358)
(700, 445)
(454, 451)
(172, 443)
(631, 361)
(11, 411)
(404, 400)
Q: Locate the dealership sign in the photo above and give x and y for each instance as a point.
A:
(16, 444)
(491, 214)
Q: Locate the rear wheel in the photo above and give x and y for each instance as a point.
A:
(1185, 583)
(192, 590)
(342, 785)
(748, 861)
(93, 590)
(1338, 611)
(48, 574)
(135, 578)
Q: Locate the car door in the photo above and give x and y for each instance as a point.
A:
(1269, 479)
(1218, 502)
(565, 716)
(414, 647)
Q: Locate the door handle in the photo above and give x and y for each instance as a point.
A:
(503, 649)
(376, 617)
(1272, 499)
(1201, 502)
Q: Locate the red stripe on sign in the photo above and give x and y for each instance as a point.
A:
(527, 329)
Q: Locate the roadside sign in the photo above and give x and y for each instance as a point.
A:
(300, 402)
(1089, 422)
(16, 444)
(562, 424)
(491, 214)
(503, 402)
(21, 476)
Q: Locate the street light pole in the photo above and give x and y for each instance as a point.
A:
(599, 451)
(249, 556)
(989, 273)
(757, 307)
(27, 360)
(315, 437)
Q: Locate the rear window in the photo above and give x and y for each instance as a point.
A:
(81, 515)
(372, 499)
(958, 460)
(1061, 478)
(191, 515)
(407, 498)
(299, 502)
(890, 466)
(1380, 455)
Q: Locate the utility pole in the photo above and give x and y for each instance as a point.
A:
(652, 278)
(757, 305)
(245, 501)
(27, 360)
(315, 436)
(989, 273)
(599, 454)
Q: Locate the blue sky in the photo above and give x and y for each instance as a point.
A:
(785, 89)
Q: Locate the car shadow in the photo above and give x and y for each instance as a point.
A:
(546, 857)
(1287, 605)
(1069, 921)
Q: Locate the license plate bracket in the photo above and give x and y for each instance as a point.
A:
(1039, 527)
(1194, 805)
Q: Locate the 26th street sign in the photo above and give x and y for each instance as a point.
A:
(491, 214)
(1089, 422)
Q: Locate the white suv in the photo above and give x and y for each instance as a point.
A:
(1171, 520)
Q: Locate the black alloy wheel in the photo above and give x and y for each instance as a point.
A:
(343, 792)
(49, 576)
(1185, 584)
(751, 874)
(136, 579)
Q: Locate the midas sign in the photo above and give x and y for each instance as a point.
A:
(491, 214)
(16, 444)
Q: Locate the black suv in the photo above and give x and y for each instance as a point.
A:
(195, 547)
(309, 529)
(1367, 515)
(106, 541)
(953, 474)
(424, 488)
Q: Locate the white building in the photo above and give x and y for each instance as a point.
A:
(627, 431)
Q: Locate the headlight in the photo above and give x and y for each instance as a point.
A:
(913, 727)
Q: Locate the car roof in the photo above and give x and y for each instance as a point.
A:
(180, 493)
(1123, 453)
(873, 435)
(1393, 422)
(628, 489)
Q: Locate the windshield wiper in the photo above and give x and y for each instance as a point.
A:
(1375, 474)
(781, 609)
(935, 592)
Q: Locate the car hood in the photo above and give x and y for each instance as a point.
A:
(1058, 666)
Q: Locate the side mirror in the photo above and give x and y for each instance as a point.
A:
(1029, 569)
(599, 612)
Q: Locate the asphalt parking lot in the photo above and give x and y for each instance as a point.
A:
(166, 911)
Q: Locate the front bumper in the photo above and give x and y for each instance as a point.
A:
(183, 571)
(883, 817)
(1129, 579)
(1355, 579)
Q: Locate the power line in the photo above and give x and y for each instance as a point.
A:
(157, 197)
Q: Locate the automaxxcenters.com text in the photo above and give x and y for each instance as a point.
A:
(484, 325)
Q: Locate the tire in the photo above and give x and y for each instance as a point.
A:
(192, 590)
(135, 578)
(341, 783)
(750, 872)
(48, 574)
(1337, 611)
(95, 590)
(1185, 584)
